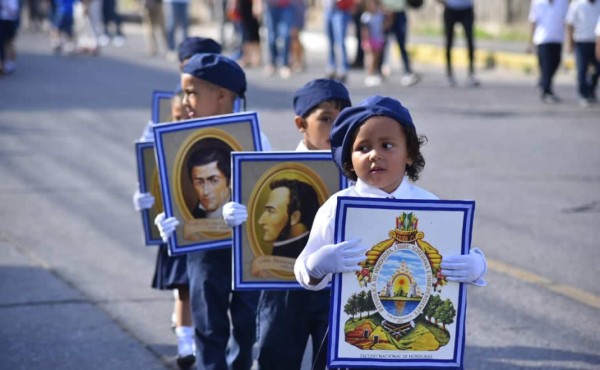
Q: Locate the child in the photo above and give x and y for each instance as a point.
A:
(211, 84)
(170, 272)
(286, 318)
(376, 145)
(9, 18)
(373, 26)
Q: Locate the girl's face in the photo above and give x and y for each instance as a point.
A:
(379, 153)
(317, 126)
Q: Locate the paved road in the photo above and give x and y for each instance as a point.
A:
(74, 275)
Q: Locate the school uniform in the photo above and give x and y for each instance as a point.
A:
(548, 36)
(583, 16)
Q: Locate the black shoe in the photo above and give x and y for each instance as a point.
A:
(185, 362)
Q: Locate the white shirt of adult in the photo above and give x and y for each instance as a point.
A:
(583, 16)
(598, 28)
(549, 20)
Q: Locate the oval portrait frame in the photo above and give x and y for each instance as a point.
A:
(180, 165)
(402, 247)
(294, 170)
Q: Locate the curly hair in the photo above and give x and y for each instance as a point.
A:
(413, 146)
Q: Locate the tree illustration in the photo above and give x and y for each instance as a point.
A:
(445, 313)
(432, 305)
(362, 302)
(352, 306)
(370, 305)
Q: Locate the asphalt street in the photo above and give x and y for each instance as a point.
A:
(75, 276)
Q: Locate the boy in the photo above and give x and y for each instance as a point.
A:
(287, 318)
(211, 83)
(376, 145)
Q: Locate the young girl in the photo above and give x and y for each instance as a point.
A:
(373, 25)
(376, 144)
(170, 272)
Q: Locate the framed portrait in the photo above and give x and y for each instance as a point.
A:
(399, 310)
(149, 183)
(194, 166)
(161, 106)
(282, 192)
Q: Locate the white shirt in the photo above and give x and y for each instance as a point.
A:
(322, 231)
(598, 28)
(583, 16)
(549, 21)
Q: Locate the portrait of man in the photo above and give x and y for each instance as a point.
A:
(288, 216)
(209, 171)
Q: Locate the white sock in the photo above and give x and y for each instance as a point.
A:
(185, 340)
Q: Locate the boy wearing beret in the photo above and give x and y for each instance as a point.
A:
(375, 144)
(287, 318)
(211, 83)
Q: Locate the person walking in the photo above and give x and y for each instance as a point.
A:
(547, 34)
(176, 12)
(581, 20)
(399, 28)
(459, 11)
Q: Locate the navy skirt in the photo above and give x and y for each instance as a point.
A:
(170, 272)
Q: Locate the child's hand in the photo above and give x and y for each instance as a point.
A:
(466, 268)
(234, 214)
(142, 200)
(334, 258)
(166, 226)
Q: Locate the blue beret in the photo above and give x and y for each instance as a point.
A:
(317, 91)
(219, 70)
(350, 119)
(197, 45)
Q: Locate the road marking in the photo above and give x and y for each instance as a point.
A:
(579, 295)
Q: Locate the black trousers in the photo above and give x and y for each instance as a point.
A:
(549, 56)
(466, 17)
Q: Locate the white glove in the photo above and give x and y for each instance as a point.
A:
(467, 268)
(142, 200)
(234, 214)
(334, 258)
(166, 226)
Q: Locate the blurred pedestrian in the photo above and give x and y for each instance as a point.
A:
(110, 16)
(176, 12)
(62, 36)
(87, 15)
(9, 18)
(581, 20)
(251, 53)
(547, 33)
(399, 29)
(374, 23)
(153, 19)
(279, 19)
(337, 16)
(297, 60)
(459, 11)
(359, 54)
(597, 32)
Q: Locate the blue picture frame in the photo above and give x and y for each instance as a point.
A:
(159, 99)
(146, 165)
(255, 264)
(385, 338)
(175, 144)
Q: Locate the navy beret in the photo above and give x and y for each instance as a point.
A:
(351, 118)
(219, 70)
(317, 91)
(197, 45)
